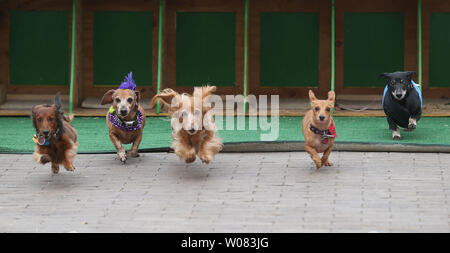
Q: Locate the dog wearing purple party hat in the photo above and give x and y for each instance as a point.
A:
(125, 118)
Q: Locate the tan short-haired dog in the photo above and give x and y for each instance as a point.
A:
(125, 118)
(193, 127)
(55, 138)
(318, 129)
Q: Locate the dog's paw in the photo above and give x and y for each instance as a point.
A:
(70, 168)
(133, 153)
(396, 137)
(190, 159)
(205, 158)
(411, 127)
(55, 169)
(327, 163)
(122, 156)
(318, 164)
(45, 159)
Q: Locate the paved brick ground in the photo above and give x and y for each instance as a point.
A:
(261, 192)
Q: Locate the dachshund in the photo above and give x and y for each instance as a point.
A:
(125, 118)
(55, 138)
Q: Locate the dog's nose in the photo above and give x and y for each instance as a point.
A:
(321, 117)
(192, 130)
(45, 132)
(123, 112)
(398, 94)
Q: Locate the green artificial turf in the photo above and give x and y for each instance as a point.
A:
(16, 132)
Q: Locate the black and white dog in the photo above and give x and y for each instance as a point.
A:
(402, 102)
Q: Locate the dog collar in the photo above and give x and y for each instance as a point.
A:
(125, 125)
(325, 134)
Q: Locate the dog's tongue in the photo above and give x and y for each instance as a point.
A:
(41, 140)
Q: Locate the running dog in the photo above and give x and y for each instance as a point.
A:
(55, 138)
(125, 118)
(193, 127)
(402, 102)
(319, 130)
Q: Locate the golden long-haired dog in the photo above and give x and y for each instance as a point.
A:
(56, 139)
(318, 129)
(193, 127)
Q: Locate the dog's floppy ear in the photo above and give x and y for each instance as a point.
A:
(57, 102)
(410, 73)
(108, 97)
(33, 116)
(166, 97)
(331, 96)
(138, 96)
(312, 97)
(204, 91)
(385, 75)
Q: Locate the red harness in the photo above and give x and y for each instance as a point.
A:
(325, 134)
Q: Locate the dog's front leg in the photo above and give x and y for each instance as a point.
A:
(209, 147)
(55, 168)
(134, 151)
(327, 153)
(120, 150)
(413, 122)
(314, 155)
(184, 150)
(394, 128)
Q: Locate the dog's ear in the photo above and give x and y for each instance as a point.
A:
(138, 96)
(331, 96)
(204, 91)
(166, 96)
(108, 97)
(385, 75)
(33, 115)
(312, 97)
(57, 102)
(409, 74)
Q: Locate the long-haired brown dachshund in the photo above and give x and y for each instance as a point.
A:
(56, 139)
(318, 129)
(193, 127)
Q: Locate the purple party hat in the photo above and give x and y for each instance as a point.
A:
(128, 83)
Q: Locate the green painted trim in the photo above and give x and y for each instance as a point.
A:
(419, 39)
(72, 60)
(158, 89)
(245, 55)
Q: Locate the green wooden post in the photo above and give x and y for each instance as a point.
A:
(245, 55)
(158, 89)
(72, 58)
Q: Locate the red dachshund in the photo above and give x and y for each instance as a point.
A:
(56, 139)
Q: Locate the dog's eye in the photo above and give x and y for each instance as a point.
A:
(317, 108)
(130, 100)
(184, 114)
(50, 119)
(39, 119)
(328, 109)
(197, 112)
(117, 100)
